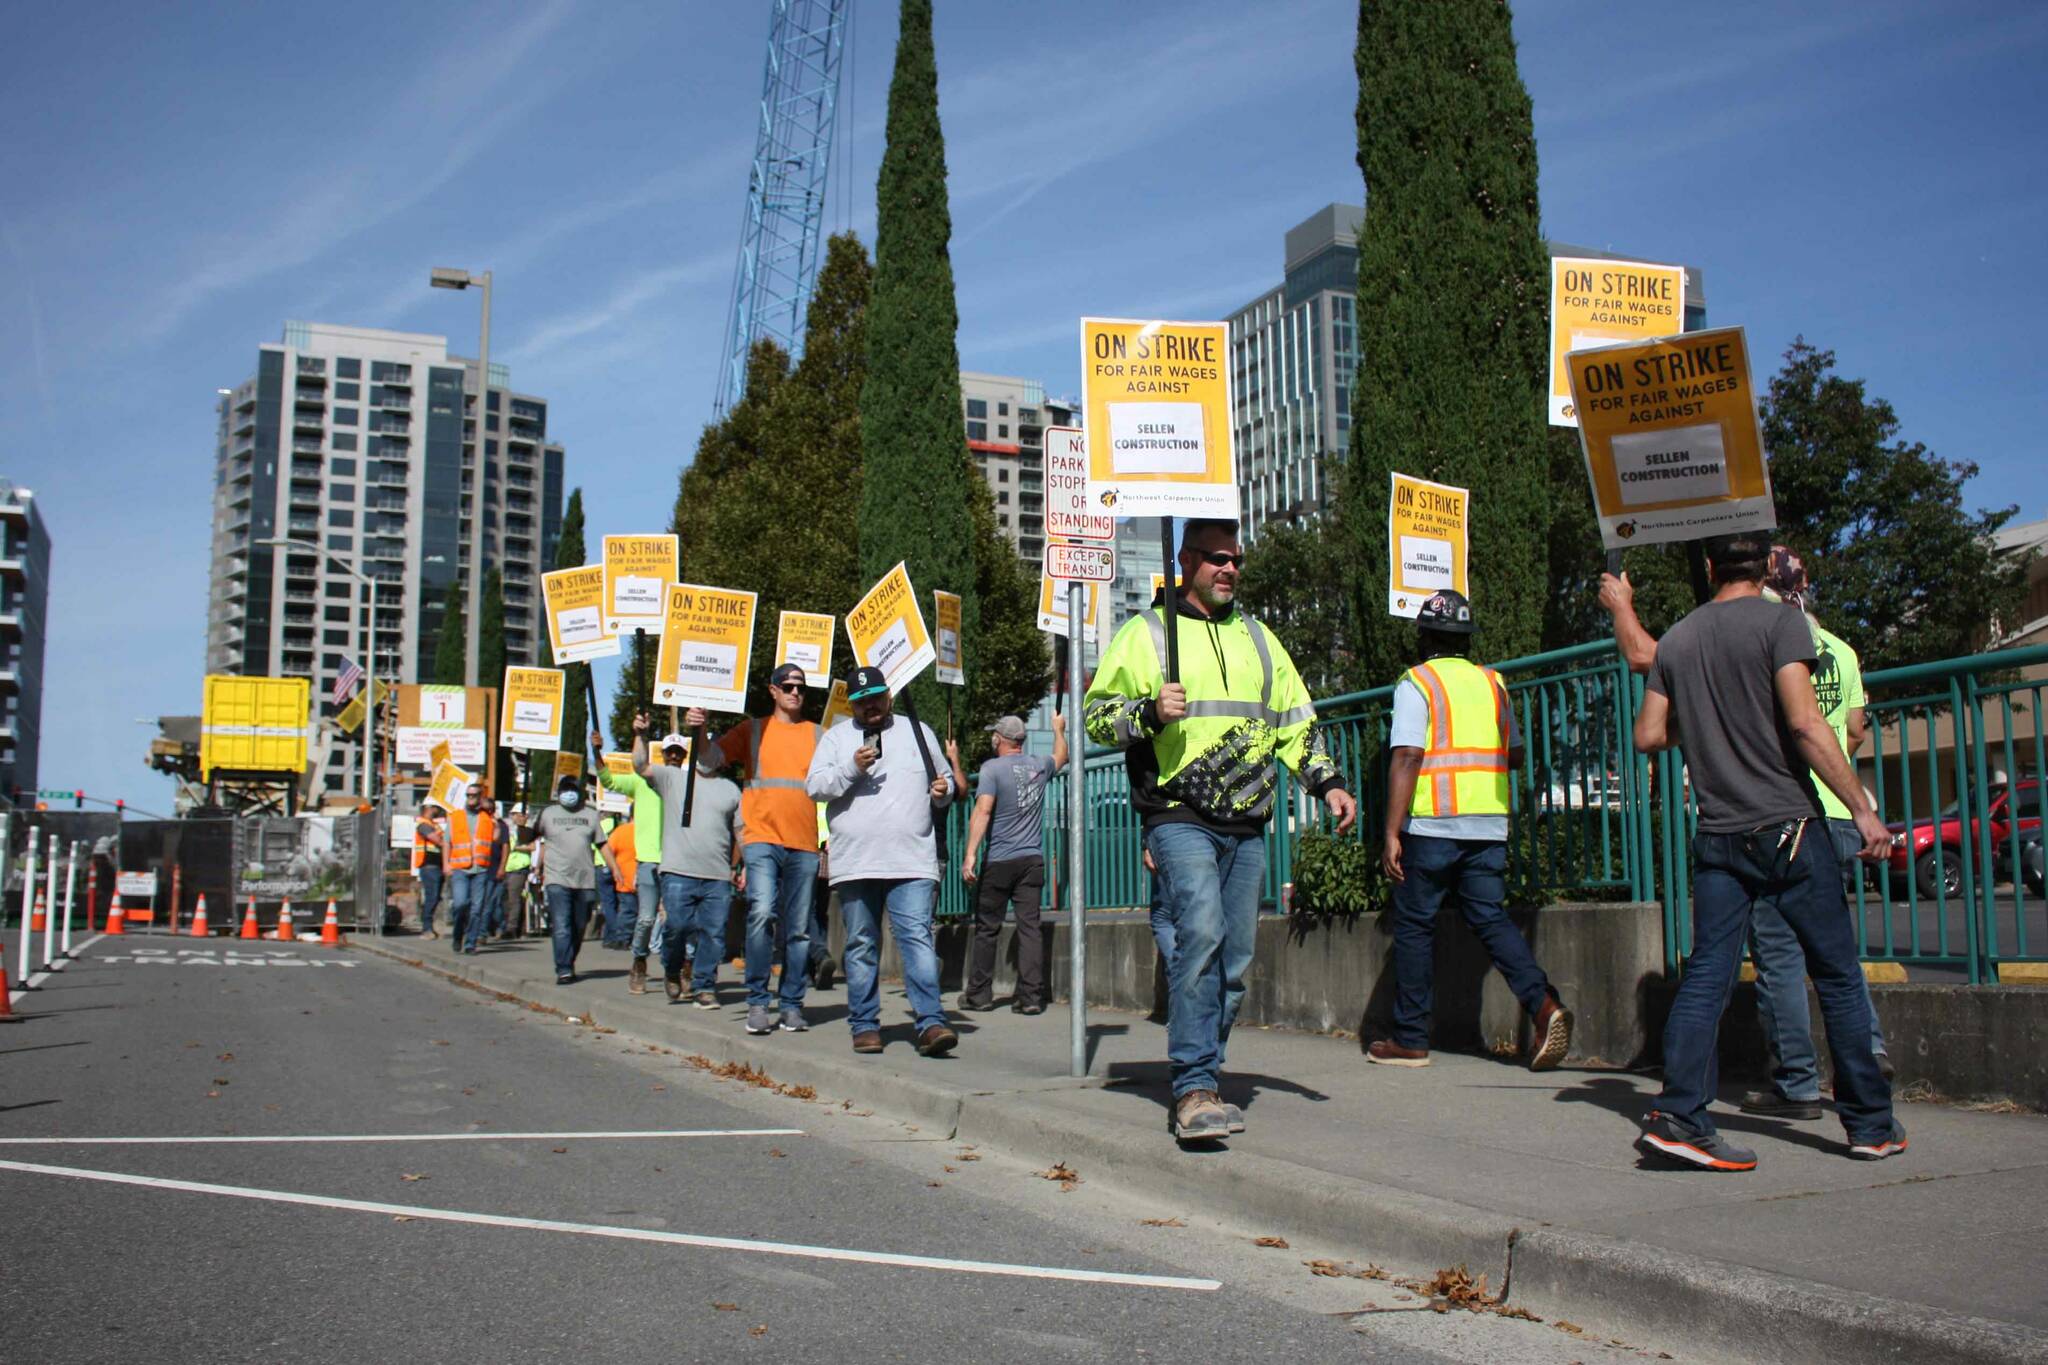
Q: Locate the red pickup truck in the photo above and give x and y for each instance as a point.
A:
(1932, 849)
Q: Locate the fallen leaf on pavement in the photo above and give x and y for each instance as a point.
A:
(1572, 1327)
(213, 1094)
(949, 1170)
(934, 1184)
(967, 1154)
(220, 1080)
(726, 1307)
(760, 1331)
(409, 1176)
(1060, 1171)
(558, 1150)
(225, 1057)
(1276, 1243)
(777, 1151)
(1162, 1223)
(440, 1042)
(401, 1218)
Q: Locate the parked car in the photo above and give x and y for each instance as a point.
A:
(1931, 850)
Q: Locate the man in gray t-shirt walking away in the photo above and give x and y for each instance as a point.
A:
(1009, 798)
(1733, 682)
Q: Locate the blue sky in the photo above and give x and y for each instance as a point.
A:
(176, 181)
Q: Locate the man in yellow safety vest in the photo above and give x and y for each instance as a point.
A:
(1454, 743)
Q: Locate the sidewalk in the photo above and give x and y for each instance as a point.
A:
(1939, 1254)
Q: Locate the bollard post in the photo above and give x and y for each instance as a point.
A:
(28, 905)
(1077, 814)
(50, 899)
(70, 891)
(177, 898)
(92, 891)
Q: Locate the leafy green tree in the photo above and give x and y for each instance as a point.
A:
(1295, 580)
(1453, 292)
(642, 650)
(1007, 669)
(450, 650)
(918, 486)
(1901, 568)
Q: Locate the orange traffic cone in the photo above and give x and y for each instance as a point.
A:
(285, 932)
(199, 929)
(41, 919)
(330, 932)
(117, 922)
(6, 1000)
(249, 929)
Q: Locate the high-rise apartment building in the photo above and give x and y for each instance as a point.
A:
(364, 443)
(24, 616)
(1294, 353)
(1006, 420)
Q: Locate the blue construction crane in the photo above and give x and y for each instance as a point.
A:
(771, 287)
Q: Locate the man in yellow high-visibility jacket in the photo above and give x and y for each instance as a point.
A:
(1454, 745)
(1203, 756)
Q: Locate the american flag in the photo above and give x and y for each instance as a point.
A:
(345, 681)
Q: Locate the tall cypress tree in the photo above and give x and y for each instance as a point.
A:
(450, 650)
(643, 648)
(918, 484)
(490, 655)
(1453, 291)
(569, 554)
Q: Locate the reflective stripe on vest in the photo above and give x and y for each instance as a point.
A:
(754, 778)
(1465, 764)
(1262, 709)
(467, 848)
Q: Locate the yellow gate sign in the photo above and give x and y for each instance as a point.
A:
(637, 572)
(1157, 399)
(887, 630)
(1669, 430)
(1599, 302)
(1428, 540)
(1052, 604)
(804, 638)
(575, 610)
(947, 667)
(530, 716)
(707, 639)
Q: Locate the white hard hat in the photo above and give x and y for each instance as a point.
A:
(673, 740)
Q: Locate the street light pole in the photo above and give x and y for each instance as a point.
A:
(369, 657)
(444, 278)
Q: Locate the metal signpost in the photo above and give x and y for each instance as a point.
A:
(1067, 514)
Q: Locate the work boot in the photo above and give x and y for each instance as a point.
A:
(706, 1000)
(867, 1042)
(1199, 1117)
(1771, 1104)
(1387, 1052)
(1553, 1035)
(672, 982)
(1234, 1116)
(636, 977)
(937, 1041)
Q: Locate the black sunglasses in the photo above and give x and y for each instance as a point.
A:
(1219, 558)
(786, 687)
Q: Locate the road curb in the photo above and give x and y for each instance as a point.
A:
(1716, 1309)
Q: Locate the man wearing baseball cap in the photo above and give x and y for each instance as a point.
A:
(696, 875)
(1009, 793)
(780, 849)
(882, 786)
(1455, 747)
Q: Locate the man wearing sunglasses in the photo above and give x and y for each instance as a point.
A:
(779, 849)
(1202, 755)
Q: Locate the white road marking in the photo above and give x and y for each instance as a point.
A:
(1034, 1272)
(46, 973)
(398, 1137)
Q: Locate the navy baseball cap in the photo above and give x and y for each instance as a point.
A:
(865, 681)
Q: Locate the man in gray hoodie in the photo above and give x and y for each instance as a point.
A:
(881, 790)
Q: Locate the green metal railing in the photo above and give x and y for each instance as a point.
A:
(1593, 818)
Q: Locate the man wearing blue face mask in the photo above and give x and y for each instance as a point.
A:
(569, 834)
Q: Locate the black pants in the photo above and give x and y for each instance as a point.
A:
(1019, 882)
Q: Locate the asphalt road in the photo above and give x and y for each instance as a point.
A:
(151, 1037)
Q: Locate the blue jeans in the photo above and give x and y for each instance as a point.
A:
(778, 893)
(1781, 983)
(1211, 887)
(908, 904)
(697, 909)
(1162, 922)
(1733, 874)
(1474, 871)
(648, 909)
(569, 910)
(608, 903)
(430, 893)
(494, 904)
(468, 905)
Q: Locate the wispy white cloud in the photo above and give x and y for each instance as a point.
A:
(38, 350)
(480, 90)
(638, 290)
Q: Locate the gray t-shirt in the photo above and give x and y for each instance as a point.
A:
(704, 848)
(881, 820)
(1017, 782)
(1717, 668)
(567, 840)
